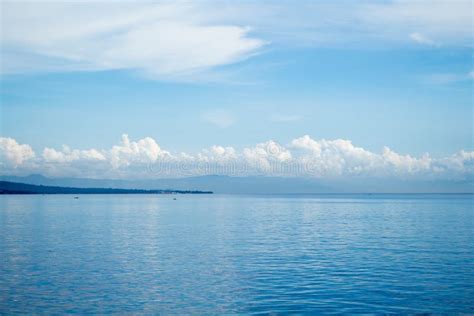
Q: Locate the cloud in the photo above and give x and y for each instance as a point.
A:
(263, 155)
(441, 21)
(188, 41)
(216, 154)
(405, 163)
(448, 78)
(68, 155)
(462, 161)
(13, 154)
(302, 157)
(420, 39)
(361, 24)
(219, 118)
(333, 157)
(161, 39)
(144, 151)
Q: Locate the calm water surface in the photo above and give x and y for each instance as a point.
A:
(236, 254)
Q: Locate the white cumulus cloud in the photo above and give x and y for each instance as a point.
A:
(68, 155)
(302, 157)
(145, 150)
(263, 155)
(14, 154)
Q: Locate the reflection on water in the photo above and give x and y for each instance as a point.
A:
(214, 254)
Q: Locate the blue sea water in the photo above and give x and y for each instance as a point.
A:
(213, 254)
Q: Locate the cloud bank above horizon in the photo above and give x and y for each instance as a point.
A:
(302, 157)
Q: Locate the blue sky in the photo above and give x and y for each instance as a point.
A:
(195, 75)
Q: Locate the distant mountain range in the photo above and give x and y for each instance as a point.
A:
(7, 187)
(256, 184)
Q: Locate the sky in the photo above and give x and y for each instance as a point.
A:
(277, 88)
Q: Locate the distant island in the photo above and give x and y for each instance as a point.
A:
(7, 187)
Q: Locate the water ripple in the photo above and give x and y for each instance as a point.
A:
(224, 254)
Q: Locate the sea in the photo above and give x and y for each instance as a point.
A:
(230, 254)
